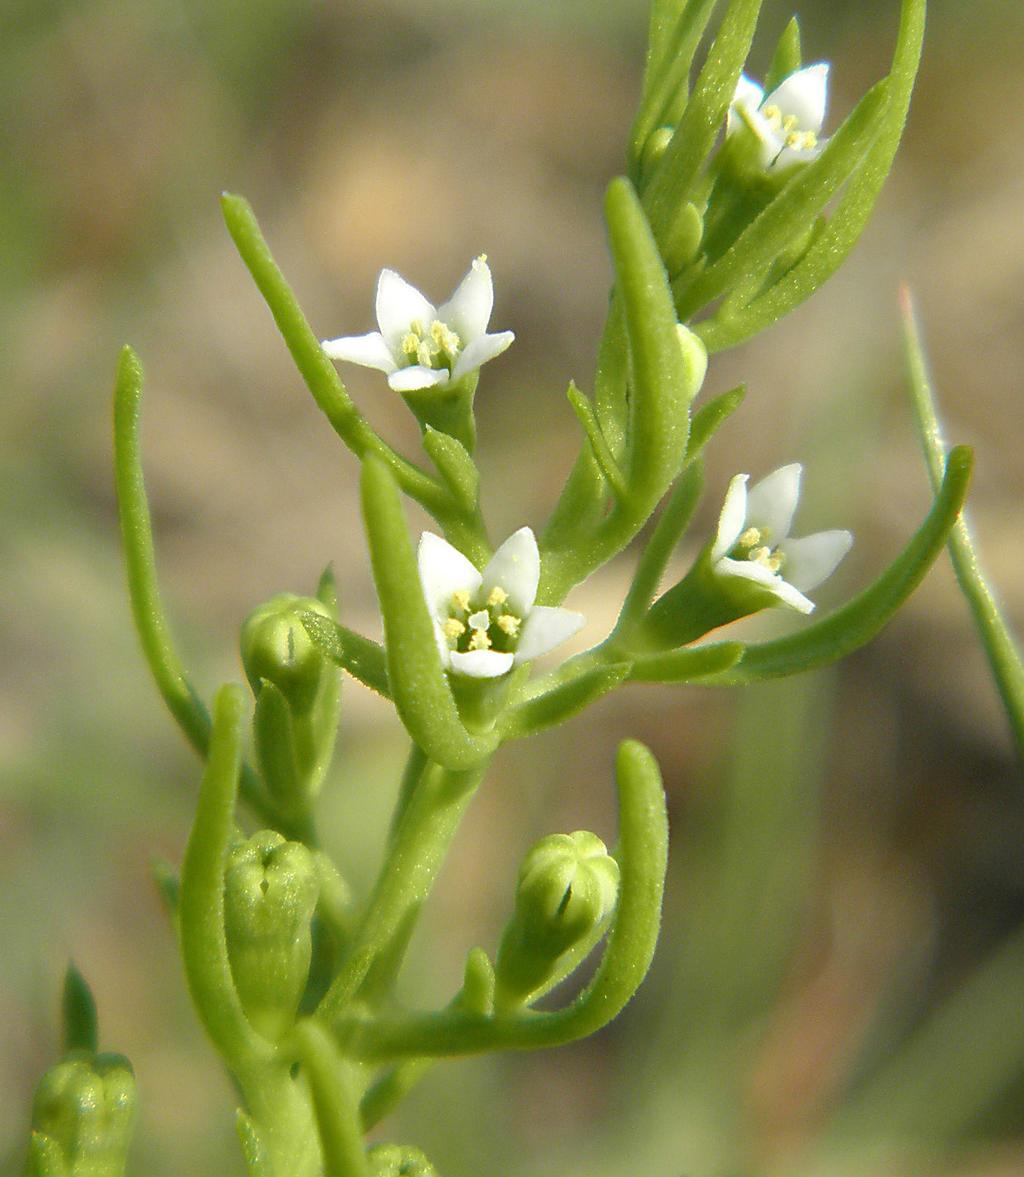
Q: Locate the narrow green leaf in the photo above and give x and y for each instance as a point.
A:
(327, 590)
(417, 680)
(846, 224)
(332, 1084)
(151, 622)
(702, 119)
(362, 658)
(665, 377)
(603, 456)
(455, 465)
(787, 58)
(793, 212)
(708, 418)
(687, 665)
(561, 702)
(201, 909)
(1003, 655)
(856, 623)
(316, 367)
(79, 1013)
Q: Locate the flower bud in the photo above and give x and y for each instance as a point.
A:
(270, 893)
(276, 648)
(84, 1108)
(399, 1160)
(568, 885)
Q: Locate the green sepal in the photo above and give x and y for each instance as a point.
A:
(254, 1151)
(477, 993)
(362, 658)
(708, 418)
(275, 746)
(682, 238)
(787, 57)
(856, 623)
(691, 664)
(399, 1160)
(78, 1008)
(702, 119)
(45, 1158)
(416, 677)
(455, 465)
(792, 214)
(447, 410)
(831, 247)
(562, 702)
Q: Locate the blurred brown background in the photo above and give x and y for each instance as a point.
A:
(416, 134)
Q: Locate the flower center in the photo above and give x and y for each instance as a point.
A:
(753, 545)
(434, 346)
(788, 126)
(481, 624)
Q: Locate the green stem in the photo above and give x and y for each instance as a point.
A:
(163, 660)
(335, 1102)
(1003, 656)
(407, 875)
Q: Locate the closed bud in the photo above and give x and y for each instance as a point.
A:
(271, 889)
(276, 648)
(568, 885)
(84, 1113)
(398, 1160)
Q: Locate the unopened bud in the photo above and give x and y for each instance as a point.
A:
(398, 1160)
(568, 885)
(276, 648)
(84, 1112)
(270, 893)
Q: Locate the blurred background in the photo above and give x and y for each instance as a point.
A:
(840, 984)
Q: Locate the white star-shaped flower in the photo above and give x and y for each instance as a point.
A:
(420, 346)
(787, 122)
(753, 544)
(486, 622)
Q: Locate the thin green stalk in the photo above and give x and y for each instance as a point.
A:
(1003, 656)
(335, 1102)
(407, 874)
(151, 622)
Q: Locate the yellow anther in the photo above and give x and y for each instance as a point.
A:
(482, 259)
(509, 624)
(750, 538)
(761, 555)
(773, 116)
(453, 628)
(460, 599)
(410, 344)
(444, 337)
(480, 640)
(790, 122)
(497, 596)
(775, 561)
(425, 354)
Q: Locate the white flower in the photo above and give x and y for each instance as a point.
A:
(420, 346)
(788, 122)
(753, 541)
(487, 622)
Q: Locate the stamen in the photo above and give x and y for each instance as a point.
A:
(497, 596)
(460, 599)
(509, 624)
(480, 640)
(453, 628)
(750, 538)
(790, 122)
(773, 116)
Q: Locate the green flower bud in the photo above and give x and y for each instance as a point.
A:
(654, 148)
(568, 885)
(84, 1113)
(271, 888)
(399, 1160)
(276, 648)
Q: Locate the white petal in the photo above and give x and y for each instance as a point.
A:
(805, 95)
(747, 97)
(442, 645)
(545, 628)
(468, 311)
(515, 567)
(443, 570)
(417, 377)
(769, 140)
(482, 349)
(369, 350)
(780, 589)
(481, 663)
(814, 558)
(772, 502)
(732, 518)
(398, 306)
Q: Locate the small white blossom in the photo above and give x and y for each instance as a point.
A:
(419, 346)
(787, 122)
(487, 622)
(753, 541)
